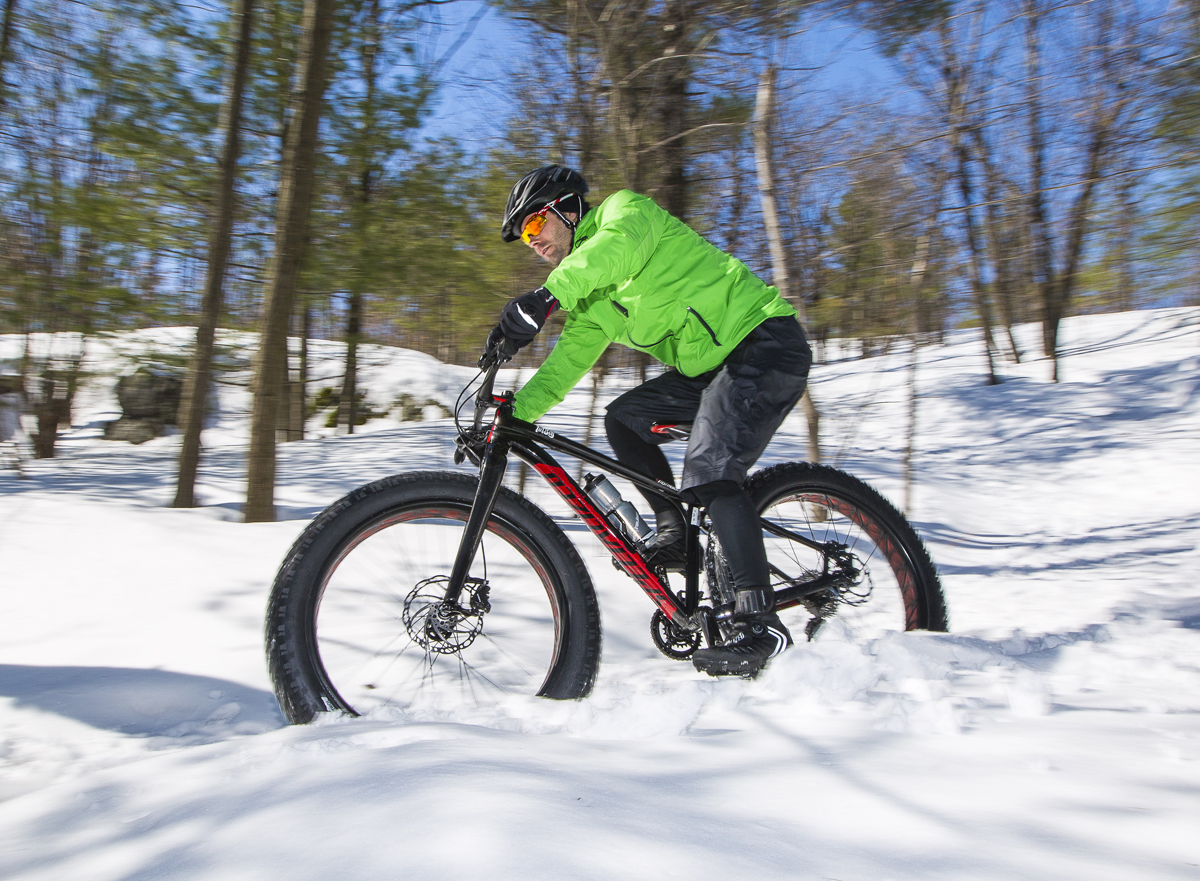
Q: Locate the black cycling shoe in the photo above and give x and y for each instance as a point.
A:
(761, 638)
(667, 548)
(672, 557)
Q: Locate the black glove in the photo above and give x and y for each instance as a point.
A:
(525, 315)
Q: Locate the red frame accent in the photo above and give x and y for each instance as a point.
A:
(627, 558)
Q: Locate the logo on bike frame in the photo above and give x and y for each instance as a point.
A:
(629, 561)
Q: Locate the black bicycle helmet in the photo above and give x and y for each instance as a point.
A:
(537, 190)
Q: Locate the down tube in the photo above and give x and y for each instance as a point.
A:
(627, 558)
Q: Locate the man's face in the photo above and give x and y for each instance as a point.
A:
(553, 243)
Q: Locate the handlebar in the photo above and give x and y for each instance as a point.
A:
(485, 399)
(470, 441)
(490, 361)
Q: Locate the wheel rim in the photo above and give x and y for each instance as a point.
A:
(364, 643)
(885, 597)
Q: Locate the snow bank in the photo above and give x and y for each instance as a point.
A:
(1052, 734)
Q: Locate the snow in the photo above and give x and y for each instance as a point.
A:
(1054, 733)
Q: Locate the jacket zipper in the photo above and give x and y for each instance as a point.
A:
(669, 334)
(711, 332)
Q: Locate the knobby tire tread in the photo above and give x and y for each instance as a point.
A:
(770, 484)
(290, 622)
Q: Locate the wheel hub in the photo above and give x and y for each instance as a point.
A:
(441, 627)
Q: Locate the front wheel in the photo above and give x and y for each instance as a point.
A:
(832, 527)
(358, 620)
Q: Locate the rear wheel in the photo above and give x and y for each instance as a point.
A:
(358, 621)
(879, 573)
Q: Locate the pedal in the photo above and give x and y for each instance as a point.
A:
(811, 628)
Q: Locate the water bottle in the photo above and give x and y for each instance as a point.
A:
(620, 513)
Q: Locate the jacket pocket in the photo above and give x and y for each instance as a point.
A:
(712, 333)
(637, 324)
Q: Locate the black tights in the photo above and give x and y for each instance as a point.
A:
(733, 516)
(645, 457)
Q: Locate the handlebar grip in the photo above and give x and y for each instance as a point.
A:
(503, 350)
(490, 362)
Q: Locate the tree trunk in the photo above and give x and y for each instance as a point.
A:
(50, 411)
(1127, 225)
(1058, 296)
(910, 446)
(955, 76)
(348, 403)
(918, 277)
(1039, 223)
(673, 187)
(982, 305)
(72, 382)
(1057, 288)
(291, 224)
(621, 42)
(763, 110)
(6, 32)
(305, 333)
(194, 401)
(999, 243)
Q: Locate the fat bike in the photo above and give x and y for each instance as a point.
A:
(442, 591)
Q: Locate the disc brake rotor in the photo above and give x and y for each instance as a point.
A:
(441, 627)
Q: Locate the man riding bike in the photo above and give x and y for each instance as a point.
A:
(629, 272)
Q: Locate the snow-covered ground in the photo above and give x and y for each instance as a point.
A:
(1054, 733)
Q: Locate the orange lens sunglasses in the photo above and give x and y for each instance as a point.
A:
(537, 222)
(534, 226)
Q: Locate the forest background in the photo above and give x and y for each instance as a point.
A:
(337, 168)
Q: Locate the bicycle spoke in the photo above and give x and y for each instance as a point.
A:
(366, 642)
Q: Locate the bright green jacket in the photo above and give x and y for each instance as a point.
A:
(641, 277)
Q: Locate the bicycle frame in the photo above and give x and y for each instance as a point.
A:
(529, 442)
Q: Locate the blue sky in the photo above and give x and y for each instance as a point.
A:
(473, 101)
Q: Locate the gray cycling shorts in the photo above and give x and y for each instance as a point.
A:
(734, 410)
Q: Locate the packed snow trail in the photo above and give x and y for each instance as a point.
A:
(1054, 733)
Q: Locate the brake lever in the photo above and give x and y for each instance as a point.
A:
(462, 451)
(501, 353)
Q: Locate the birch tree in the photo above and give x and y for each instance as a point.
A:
(764, 112)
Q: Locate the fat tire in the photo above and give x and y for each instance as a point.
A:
(293, 650)
(920, 587)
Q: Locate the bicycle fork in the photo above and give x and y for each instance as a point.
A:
(491, 476)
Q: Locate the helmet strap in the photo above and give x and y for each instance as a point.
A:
(570, 224)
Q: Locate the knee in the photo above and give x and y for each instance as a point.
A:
(707, 493)
(613, 426)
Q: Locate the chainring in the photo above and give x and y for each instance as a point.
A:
(674, 642)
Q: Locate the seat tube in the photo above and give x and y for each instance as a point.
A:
(694, 562)
(491, 476)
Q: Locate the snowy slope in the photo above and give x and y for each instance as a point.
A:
(1054, 733)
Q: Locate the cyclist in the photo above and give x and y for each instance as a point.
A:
(627, 271)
